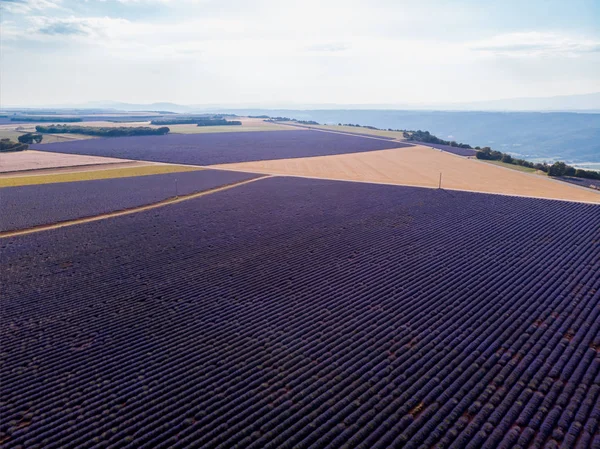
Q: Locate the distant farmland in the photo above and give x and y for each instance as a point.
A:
(220, 148)
(307, 313)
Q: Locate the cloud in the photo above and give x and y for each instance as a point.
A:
(328, 48)
(64, 28)
(528, 44)
(27, 6)
(94, 27)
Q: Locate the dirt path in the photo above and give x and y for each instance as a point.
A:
(420, 166)
(134, 210)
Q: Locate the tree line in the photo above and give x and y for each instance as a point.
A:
(7, 145)
(30, 138)
(103, 131)
(427, 137)
(556, 169)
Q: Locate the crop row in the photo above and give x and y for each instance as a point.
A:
(27, 206)
(454, 150)
(221, 148)
(589, 183)
(303, 313)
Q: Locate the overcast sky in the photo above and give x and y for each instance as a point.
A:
(282, 52)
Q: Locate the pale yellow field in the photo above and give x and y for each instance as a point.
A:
(421, 166)
(87, 175)
(35, 160)
(359, 130)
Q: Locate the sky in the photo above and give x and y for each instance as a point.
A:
(275, 53)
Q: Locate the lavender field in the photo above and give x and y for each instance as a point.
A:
(28, 206)
(221, 148)
(449, 149)
(589, 183)
(306, 313)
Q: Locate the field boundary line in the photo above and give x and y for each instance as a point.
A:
(404, 185)
(133, 210)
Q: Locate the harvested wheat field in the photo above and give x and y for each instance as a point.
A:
(35, 160)
(420, 166)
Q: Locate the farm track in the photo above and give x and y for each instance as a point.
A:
(119, 213)
(385, 332)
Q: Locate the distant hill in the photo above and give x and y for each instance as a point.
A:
(585, 102)
(565, 103)
(572, 137)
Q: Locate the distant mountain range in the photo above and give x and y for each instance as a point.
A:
(567, 103)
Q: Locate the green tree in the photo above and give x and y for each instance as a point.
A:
(30, 138)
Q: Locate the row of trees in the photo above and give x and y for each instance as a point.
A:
(7, 145)
(427, 137)
(218, 122)
(365, 126)
(556, 169)
(103, 131)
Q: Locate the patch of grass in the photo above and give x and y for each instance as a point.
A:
(10, 134)
(515, 167)
(96, 174)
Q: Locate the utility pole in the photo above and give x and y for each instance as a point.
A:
(440, 184)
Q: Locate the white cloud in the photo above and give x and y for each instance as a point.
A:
(27, 6)
(528, 44)
(350, 51)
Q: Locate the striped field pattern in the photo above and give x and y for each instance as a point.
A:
(28, 206)
(223, 147)
(295, 313)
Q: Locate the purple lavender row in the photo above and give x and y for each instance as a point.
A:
(449, 149)
(221, 148)
(590, 183)
(306, 313)
(28, 206)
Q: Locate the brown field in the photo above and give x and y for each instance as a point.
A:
(421, 166)
(34, 160)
